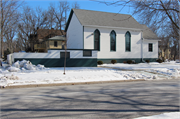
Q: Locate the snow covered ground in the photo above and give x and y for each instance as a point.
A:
(170, 69)
(172, 115)
(24, 73)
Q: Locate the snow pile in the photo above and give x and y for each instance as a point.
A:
(24, 65)
(135, 75)
(175, 73)
(3, 81)
(172, 115)
(41, 67)
(16, 64)
(13, 69)
(7, 80)
(11, 77)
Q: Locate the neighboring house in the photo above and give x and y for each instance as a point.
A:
(93, 36)
(39, 40)
(112, 35)
(56, 42)
(164, 53)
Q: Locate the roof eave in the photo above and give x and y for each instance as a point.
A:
(69, 20)
(152, 39)
(112, 27)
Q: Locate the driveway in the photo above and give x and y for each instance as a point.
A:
(124, 100)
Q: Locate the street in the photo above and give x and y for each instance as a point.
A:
(124, 100)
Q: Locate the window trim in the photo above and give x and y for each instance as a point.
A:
(115, 41)
(129, 43)
(66, 55)
(86, 55)
(99, 39)
(149, 47)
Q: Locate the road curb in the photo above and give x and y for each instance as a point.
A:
(65, 84)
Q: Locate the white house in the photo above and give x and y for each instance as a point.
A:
(112, 35)
(93, 36)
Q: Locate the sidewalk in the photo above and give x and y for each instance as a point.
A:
(65, 84)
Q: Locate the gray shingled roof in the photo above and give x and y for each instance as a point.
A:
(59, 38)
(147, 33)
(97, 18)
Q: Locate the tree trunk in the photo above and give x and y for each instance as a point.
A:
(2, 43)
(1, 30)
(179, 50)
(175, 53)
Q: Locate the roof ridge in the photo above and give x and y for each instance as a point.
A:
(102, 12)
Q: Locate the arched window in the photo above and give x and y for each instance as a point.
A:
(96, 39)
(113, 40)
(128, 41)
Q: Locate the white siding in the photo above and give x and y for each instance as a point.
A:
(146, 53)
(37, 55)
(120, 43)
(75, 34)
(10, 59)
(53, 54)
(75, 53)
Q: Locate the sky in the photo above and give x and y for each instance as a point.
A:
(84, 4)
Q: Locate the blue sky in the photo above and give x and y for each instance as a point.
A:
(84, 4)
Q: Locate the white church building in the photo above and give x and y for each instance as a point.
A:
(93, 36)
(112, 35)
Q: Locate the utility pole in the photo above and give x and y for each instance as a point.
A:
(65, 47)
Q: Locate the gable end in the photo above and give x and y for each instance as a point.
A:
(69, 19)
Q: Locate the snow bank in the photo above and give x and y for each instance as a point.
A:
(13, 69)
(7, 80)
(73, 75)
(172, 115)
(24, 65)
(25, 73)
(7, 76)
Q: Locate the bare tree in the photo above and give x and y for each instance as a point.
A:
(30, 22)
(75, 5)
(9, 39)
(8, 17)
(51, 16)
(60, 14)
(162, 16)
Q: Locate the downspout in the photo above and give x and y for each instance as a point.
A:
(142, 46)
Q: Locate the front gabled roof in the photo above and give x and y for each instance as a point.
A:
(97, 18)
(106, 19)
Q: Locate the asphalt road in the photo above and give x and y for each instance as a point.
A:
(125, 100)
